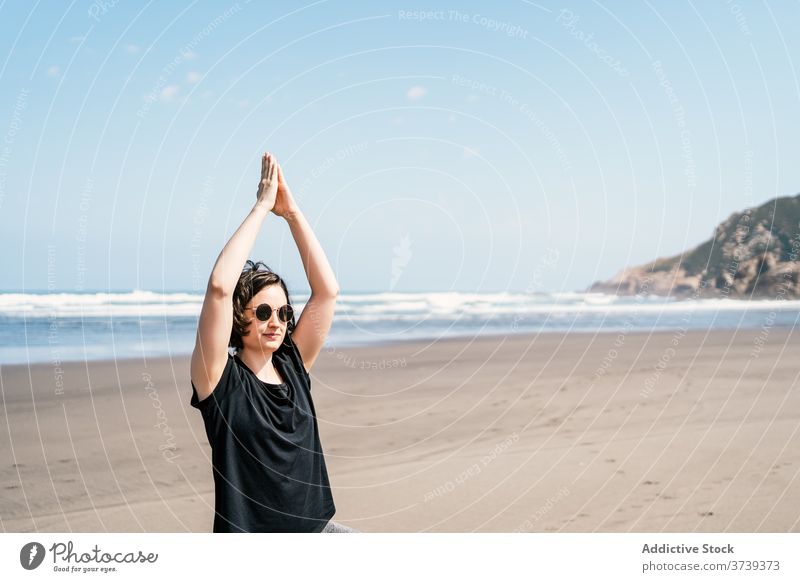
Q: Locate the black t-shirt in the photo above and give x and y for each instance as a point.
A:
(269, 468)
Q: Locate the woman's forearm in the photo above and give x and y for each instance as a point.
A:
(231, 260)
(318, 270)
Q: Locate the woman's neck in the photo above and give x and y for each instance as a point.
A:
(262, 366)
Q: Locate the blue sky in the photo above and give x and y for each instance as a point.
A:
(433, 146)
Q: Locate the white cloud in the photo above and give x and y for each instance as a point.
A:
(169, 92)
(132, 49)
(53, 71)
(472, 98)
(193, 77)
(189, 55)
(416, 92)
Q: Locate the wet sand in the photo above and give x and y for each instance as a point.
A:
(553, 433)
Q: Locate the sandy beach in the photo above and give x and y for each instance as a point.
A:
(555, 433)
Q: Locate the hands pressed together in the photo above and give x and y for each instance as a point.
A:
(273, 191)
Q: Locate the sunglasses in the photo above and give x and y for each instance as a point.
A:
(264, 312)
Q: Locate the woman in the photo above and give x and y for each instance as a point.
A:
(269, 467)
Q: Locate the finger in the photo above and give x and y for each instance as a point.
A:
(280, 174)
(263, 164)
(273, 172)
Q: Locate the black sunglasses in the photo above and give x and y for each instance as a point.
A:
(264, 312)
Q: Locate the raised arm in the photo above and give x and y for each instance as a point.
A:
(216, 316)
(315, 321)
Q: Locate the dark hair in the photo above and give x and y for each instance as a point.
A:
(252, 280)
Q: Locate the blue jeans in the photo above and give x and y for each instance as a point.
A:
(335, 527)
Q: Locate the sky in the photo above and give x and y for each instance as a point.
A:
(432, 146)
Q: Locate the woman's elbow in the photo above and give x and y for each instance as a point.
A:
(218, 289)
(327, 293)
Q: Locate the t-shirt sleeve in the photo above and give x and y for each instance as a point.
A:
(220, 390)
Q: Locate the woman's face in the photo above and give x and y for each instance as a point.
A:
(265, 336)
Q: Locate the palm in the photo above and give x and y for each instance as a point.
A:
(284, 202)
(268, 185)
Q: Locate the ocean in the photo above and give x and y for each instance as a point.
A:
(68, 326)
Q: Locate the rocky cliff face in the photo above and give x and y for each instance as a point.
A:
(753, 254)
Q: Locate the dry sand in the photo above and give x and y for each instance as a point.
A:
(577, 433)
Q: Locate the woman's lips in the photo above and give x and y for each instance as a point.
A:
(271, 335)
